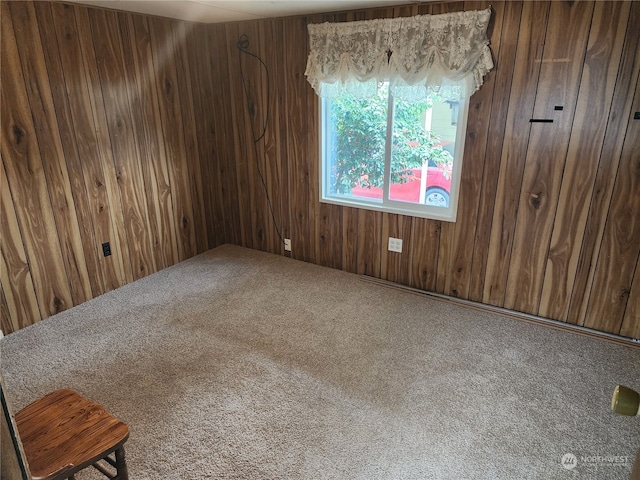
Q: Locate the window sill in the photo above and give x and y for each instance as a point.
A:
(447, 214)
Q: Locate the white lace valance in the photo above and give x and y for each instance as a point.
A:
(415, 54)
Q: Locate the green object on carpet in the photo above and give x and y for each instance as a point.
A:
(239, 364)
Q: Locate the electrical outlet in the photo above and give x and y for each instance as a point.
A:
(287, 244)
(395, 244)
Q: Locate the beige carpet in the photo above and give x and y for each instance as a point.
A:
(245, 365)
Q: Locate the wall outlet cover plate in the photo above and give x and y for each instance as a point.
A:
(395, 244)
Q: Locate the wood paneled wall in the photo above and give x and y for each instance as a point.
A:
(140, 131)
(103, 131)
(549, 214)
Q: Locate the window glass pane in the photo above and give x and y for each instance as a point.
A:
(422, 151)
(421, 162)
(354, 136)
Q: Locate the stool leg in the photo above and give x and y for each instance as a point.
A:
(121, 464)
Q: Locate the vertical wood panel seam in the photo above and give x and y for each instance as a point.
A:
(607, 222)
(101, 160)
(100, 288)
(108, 131)
(566, 153)
(592, 271)
(484, 162)
(583, 232)
(46, 179)
(515, 220)
(172, 201)
(635, 276)
(504, 130)
(26, 250)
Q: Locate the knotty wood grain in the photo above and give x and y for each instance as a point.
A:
(205, 127)
(63, 429)
(472, 259)
(117, 234)
(248, 81)
(566, 38)
(425, 241)
(630, 324)
(272, 145)
(226, 177)
(242, 148)
(609, 159)
(282, 164)
(193, 170)
(174, 139)
(124, 140)
(136, 49)
(67, 133)
(18, 290)
(620, 248)
(50, 146)
(326, 219)
(349, 239)
(462, 233)
(505, 64)
(6, 324)
(79, 131)
(255, 113)
(370, 243)
(323, 244)
(77, 128)
(27, 182)
(516, 138)
(296, 113)
(587, 137)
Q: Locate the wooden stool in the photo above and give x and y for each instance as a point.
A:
(63, 433)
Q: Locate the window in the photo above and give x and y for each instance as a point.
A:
(394, 95)
(385, 153)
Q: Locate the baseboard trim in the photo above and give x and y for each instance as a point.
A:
(569, 327)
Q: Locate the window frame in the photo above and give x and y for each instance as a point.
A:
(447, 214)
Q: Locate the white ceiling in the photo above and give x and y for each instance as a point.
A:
(216, 11)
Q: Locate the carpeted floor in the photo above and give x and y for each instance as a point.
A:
(238, 364)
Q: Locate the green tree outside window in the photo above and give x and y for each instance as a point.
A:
(359, 132)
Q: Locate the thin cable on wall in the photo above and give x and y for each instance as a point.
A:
(243, 48)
